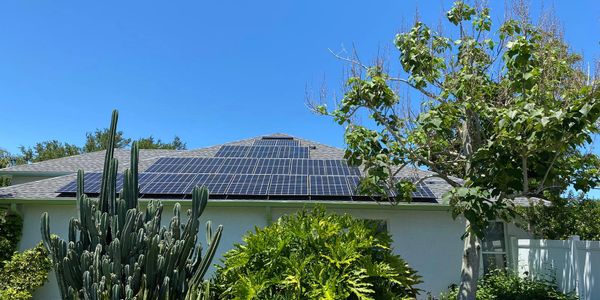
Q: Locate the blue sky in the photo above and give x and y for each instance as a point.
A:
(208, 71)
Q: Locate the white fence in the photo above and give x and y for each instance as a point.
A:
(575, 264)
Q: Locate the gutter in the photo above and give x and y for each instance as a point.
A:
(35, 174)
(267, 204)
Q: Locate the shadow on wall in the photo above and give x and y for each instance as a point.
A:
(573, 264)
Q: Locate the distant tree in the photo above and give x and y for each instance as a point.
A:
(567, 216)
(97, 140)
(151, 143)
(504, 113)
(48, 150)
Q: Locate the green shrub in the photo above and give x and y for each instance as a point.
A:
(314, 255)
(501, 285)
(11, 226)
(24, 273)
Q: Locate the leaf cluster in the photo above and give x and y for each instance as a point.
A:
(316, 255)
(567, 216)
(505, 285)
(24, 272)
(11, 228)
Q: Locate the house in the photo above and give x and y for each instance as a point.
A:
(252, 183)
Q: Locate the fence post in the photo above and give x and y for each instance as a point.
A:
(513, 253)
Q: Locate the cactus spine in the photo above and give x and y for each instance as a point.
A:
(117, 251)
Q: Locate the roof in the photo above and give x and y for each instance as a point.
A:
(93, 162)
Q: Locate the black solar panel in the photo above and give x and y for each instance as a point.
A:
(244, 184)
(277, 142)
(92, 184)
(233, 151)
(422, 192)
(288, 185)
(329, 186)
(167, 184)
(263, 151)
(272, 166)
(238, 165)
(215, 183)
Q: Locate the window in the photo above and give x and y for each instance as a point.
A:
(493, 247)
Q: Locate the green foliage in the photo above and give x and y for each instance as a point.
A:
(151, 143)
(500, 285)
(11, 228)
(48, 150)
(507, 110)
(315, 255)
(99, 140)
(116, 250)
(564, 218)
(24, 273)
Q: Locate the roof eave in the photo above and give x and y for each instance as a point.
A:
(35, 173)
(254, 203)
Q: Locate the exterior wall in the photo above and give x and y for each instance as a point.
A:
(429, 240)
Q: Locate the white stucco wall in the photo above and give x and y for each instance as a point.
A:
(428, 240)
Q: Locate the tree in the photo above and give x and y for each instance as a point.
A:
(505, 113)
(48, 150)
(567, 216)
(98, 140)
(150, 143)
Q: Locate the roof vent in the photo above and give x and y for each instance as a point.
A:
(277, 137)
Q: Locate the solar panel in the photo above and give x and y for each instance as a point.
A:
(238, 165)
(277, 142)
(92, 184)
(422, 191)
(245, 184)
(232, 151)
(272, 166)
(168, 184)
(329, 186)
(263, 152)
(215, 183)
(288, 185)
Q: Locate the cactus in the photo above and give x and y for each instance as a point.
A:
(116, 250)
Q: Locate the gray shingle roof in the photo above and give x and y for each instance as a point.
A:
(93, 162)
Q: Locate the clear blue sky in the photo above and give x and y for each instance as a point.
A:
(208, 71)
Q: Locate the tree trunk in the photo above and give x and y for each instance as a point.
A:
(470, 267)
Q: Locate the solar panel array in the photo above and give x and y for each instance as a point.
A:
(269, 167)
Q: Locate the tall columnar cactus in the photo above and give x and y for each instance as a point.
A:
(117, 251)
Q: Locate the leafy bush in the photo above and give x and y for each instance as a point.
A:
(313, 255)
(501, 285)
(24, 272)
(572, 215)
(11, 226)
